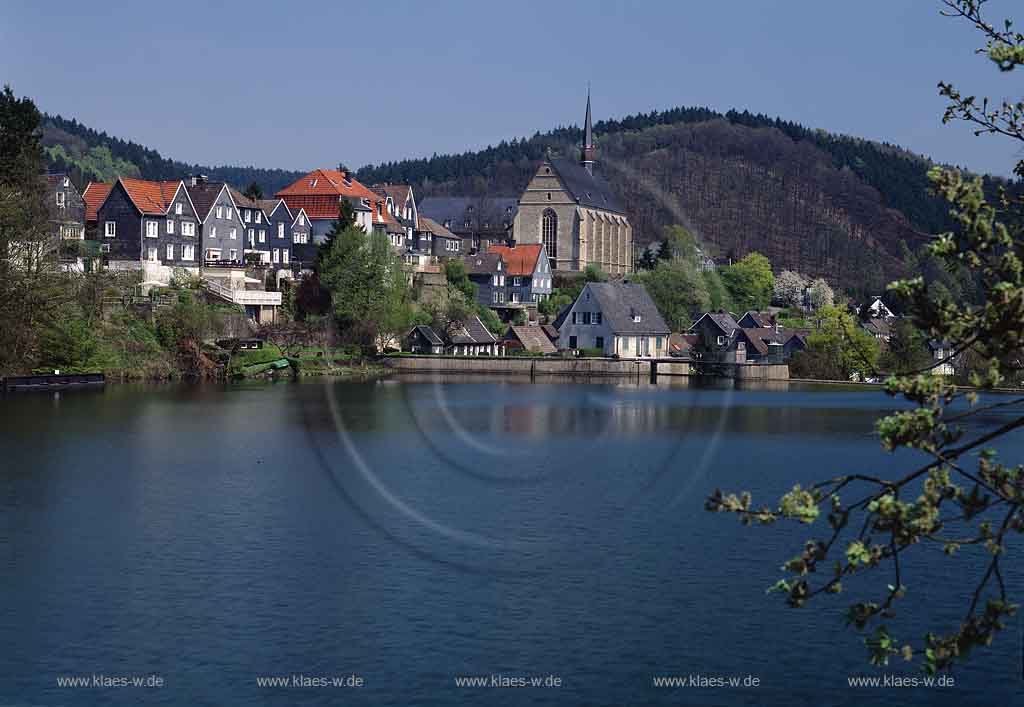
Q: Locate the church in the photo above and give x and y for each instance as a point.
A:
(569, 208)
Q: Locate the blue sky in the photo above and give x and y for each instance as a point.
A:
(313, 83)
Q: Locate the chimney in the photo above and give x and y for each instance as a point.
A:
(197, 179)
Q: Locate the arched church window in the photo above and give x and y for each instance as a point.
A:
(549, 234)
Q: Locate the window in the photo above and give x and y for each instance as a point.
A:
(178, 208)
(110, 229)
(188, 228)
(533, 296)
(586, 318)
(104, 247)
(188, 252)
(494, 280)
(60, 199)
(252, 236)
(301, 238)
(263, 231)
(220, 212)
(597, 318)
(741, 346)
(574, 317)
(549, 233)
(501, 280)
(170, 251)
(572, 342)
(636, 317)
(625, 343)
(234, 233)
(549, 196)
(302, 219)
(213, 232)
(234, 254)
(213, 254)
(721, 341)
(277, 255)
(514, 297)
(259, 217)
(280, 230)
(494, 296)
(658, 343)
(227, 213)
(170, 225)
(152, 229)
(599, 342)
(517, 281)
(284, 256)
(151, 254)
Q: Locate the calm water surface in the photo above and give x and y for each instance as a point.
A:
(410, 532)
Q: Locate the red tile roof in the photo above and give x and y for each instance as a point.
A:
(150, 197)
(94, 195)
(319, 191)
(521, 259)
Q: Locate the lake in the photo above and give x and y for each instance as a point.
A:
(402, 535)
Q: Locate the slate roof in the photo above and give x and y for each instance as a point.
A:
(482, 263)
(269, 206)
(552, 331)
(429, 334)
(519, 259)
(94, 195)
(243, 201)
(587, 189)
(204, 196)
(429, 225)
(681, 343)
(398, 192)
(454, 209)
(532, 338)
(620, 301)
(878, 326)
(561, 317)
(723, 320)
(760, 319)
(473, 332)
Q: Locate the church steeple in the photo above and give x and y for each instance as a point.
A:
(589, 152)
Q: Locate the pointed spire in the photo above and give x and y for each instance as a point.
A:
(589, 152)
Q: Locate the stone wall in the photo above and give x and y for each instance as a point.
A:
(537, 366)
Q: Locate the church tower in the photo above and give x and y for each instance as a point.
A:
(589, 152)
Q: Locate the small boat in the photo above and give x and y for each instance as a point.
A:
(52, 381)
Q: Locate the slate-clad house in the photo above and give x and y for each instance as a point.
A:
(431, 238)
(254, 228)
(280, 235)
(528, 272)
(479, 221)
(148, 222)
(66, 207)
(423, 340)
(488, 271)
(619, 318)
(756, 320)
(220, 224)
(717, 332)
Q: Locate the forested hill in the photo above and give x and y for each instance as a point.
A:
(824, 204)
(88, 155)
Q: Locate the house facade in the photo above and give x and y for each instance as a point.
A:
(619, 318)
(280, 234)
(528, 271)
(717, 332)
(149, 223)
(489, 273)
(573, 211)
(430, 238)
(220, 223)
(66, 208)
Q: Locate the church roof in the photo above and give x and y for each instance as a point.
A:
(589, 190)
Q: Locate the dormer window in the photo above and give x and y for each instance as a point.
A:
(312, 183)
